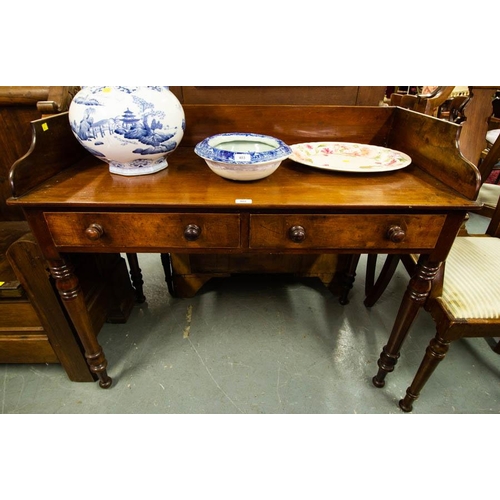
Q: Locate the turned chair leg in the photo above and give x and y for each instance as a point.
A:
(434, 354)
(374, 289)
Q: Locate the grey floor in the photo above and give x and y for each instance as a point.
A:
(260, 344)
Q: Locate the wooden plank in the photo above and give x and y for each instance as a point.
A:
(18, 314)
(54, 147)
(31, 347)
(24, 254)
(272, 95)
(25, 96)
(433, 145)
(477, 111)
(291, 124)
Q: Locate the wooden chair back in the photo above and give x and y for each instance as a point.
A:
(490, 160)
(428, 105)
(457, 107)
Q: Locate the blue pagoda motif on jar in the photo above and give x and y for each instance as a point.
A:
(141, 126)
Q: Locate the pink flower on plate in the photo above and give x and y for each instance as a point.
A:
(358, 151)
(327, 151)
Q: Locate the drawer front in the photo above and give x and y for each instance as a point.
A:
(345, 231)
(18, 315)
(139, 230)
(26, 347)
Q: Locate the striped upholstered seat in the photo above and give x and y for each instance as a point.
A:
(471, 287)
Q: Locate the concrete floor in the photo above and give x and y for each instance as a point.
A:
(260, 344)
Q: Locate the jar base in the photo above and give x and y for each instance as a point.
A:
(138, 167)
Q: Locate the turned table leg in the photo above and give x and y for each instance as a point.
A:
(415, 296)
(136, 277)
(73, 299)
(348, 278)
(166, 261)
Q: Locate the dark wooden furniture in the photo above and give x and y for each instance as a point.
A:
(374, 288)
(464, 301)
(428, 105)
(490, 160)
(186, 273)
(456, 109)
(34, 327)
(477, 111)
(77, 206)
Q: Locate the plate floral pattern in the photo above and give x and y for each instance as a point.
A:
(349, 157)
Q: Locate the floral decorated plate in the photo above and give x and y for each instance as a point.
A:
(349, 157)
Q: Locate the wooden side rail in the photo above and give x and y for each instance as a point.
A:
(48, 100)
(24, 255)
(433, 146)
(54, 146)
(23, 96)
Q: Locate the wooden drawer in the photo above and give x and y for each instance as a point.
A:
(345, 231)
(148, 230)
(18, 314)
(26, 347)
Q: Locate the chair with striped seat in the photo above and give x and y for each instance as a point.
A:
(464, 302)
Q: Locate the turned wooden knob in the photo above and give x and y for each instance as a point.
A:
(396, 234)
(297, 234)
(192, 232)
(94, 232)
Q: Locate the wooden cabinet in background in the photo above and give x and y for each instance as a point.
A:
(34, 326)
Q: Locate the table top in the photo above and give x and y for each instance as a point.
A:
(188, 183)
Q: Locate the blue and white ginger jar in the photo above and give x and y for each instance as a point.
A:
(133, 129)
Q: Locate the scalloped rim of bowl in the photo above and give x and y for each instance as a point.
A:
(209, 149)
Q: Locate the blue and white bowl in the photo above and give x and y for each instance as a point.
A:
(243, 156)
